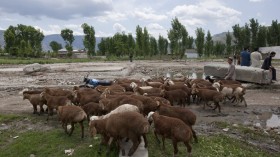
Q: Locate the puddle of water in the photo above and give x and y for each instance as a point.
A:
(273, 121)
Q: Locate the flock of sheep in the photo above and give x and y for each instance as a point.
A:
(127, 108)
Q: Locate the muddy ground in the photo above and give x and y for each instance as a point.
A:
(262, 113)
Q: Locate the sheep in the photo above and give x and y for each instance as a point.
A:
(141, 91)
(186, 115)
(121, 109)
(153, 84)
(114, 88)
(172, 128)
(161, 100)
(175, 87)
(60, 92)
(130, 125)
(133, 85)
(209, 95)
(35, 100)
(54, 101)
(71, 114)
(91, 109)
(88, 97)
(175, 95)
(148, 103)
(236, 92)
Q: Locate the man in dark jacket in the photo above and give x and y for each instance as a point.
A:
(267, 65)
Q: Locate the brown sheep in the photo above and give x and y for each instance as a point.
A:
(177, 95)
(35, 100)
(71, 114)
(207, 95)
(92, 108)
(141, 91)
(182, 87)
(148, 103)
(130, 125)
(54, 101)
(153, 84)
(172, 128)
(186, 115)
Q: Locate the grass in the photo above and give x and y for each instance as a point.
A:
(53, 141)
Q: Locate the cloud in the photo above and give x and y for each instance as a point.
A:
(255, 0)
(119, 28)
(148, 14)
(205, 12)
(111, 16)
(103, 34)
(58, 9)
(155, 26)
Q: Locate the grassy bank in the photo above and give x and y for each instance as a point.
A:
(34, 139)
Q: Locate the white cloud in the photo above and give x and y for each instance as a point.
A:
(155, 26)
(103, 34)
(119, 28)
(111, 16)
(148, 14)
(255, 0)
(206, 12)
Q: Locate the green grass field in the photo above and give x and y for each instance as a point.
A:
(53, 142)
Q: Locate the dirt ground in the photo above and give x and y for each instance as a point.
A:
(263, 109)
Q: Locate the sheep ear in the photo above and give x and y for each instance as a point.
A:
(158, 103)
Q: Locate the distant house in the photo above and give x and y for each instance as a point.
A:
(76, 53)
(267, 50)
(191, 53)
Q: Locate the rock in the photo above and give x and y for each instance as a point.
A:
(32, 155)
(36, 67)
(90, 146)
(226, 129)
(235, 125)
(256, 113)
(258, 125)
(178, 75)
(69, 152)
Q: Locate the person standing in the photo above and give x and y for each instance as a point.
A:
(256, 58)
(230, 75)
(245, 57)
(267, 65)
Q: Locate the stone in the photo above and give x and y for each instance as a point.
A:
(247, 74)
(36, 67)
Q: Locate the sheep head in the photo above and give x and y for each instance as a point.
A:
(216, 85)
(150, 118)
(194, 91)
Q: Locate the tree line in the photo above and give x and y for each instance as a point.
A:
(25, 41)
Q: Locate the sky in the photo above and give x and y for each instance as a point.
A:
(111, 16)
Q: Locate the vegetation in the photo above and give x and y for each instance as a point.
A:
(25, 41)
(35, 137)
(68, 37)
(89, 40)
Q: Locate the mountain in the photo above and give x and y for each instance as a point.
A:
(2, 41)
(221, 37)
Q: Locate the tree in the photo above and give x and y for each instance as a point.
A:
(153, 46)
(190, 42)
(219, 48)
(208, 44)
(89, 39)
(262, 36)
(199, 42)
(161, 45)
(273, 38)
(246, 34)
(102, 46)
(146, 42)
(131, 44)
(228, 43)
(254, 25)
(139, 41)
(55, 46)
(23, 41)
(178, 37)
(237, 33)
(68, 37)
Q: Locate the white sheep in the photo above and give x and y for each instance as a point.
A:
(120, 109)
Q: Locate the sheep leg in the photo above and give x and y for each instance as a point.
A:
(72, 129)
(189, 147)
(217, 105)
(64, 126)
(243, 99)
(109, 145)
(135, 145)
(157, 137)
(41, 109)
(34, 109)
(194, 135)
(82, 128)
(163, 142)
(175, 147)
(145, 141)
